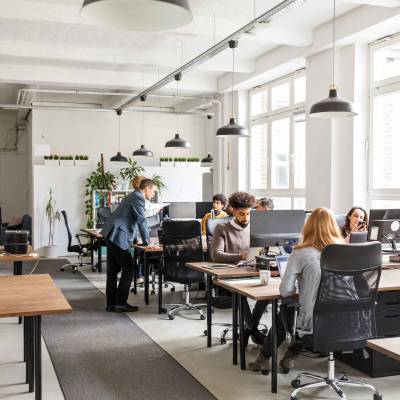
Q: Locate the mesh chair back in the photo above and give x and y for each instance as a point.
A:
(181, 244)
(344, 311)
(211, 224)
(64, 214)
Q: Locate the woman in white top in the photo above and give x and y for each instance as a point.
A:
(356, 221)
(304, 272)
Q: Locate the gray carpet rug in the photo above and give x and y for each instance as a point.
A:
(102, 355)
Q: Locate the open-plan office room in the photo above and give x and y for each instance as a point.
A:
(199, 199)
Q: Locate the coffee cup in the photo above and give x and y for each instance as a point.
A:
(264, 276)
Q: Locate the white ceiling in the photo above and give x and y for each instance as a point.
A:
(45, 43)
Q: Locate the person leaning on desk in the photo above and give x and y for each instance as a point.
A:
(119, 231)
(304, 268)
(230, 244)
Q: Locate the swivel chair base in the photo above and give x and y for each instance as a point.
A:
(80, 263)
(187, 306)
(331, 382)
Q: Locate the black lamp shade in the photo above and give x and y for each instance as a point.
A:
(135, 15)
(333, 107)
(143, 152)
(119, 157)
(232, 129)
(177, 142)
(208, 159)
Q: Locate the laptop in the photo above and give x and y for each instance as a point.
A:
(281, 262)
(358, 237)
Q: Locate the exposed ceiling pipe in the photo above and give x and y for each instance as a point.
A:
(22, 94)
(214, 50)
(42, 107)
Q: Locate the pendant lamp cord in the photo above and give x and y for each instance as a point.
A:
(141, 142)
(333, 39)
(233, 73)
(119, 132)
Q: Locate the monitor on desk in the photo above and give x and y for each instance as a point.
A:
(384, 226)
(267, 228)
(178, 210)
(202, 208)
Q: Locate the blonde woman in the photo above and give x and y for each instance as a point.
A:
(304, 269)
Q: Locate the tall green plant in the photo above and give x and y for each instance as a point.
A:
(160, 185)
(132, 171)
(53, 215)
(98, 180)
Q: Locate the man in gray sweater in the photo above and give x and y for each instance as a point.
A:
(231, 243)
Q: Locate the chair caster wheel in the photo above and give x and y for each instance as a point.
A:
(152, 292)
(377, 396)
(295, 384)
(62, 269)
(172, 289)
(163, 310)
(202, 317)
(74, 271)
(94, 269)
(223, 341)
(293, 398)
(171, 317)
(205, 332)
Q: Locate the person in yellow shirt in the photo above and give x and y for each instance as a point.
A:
(219, 203)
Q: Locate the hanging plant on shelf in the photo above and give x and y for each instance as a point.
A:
(98, 180)
(131, 172)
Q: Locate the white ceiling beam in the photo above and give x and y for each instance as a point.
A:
(363, 25)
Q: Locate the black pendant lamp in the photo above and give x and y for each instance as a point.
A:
(143, 152)
(177, 141)
(119, 157)
(333, 106)
(232, 128)
(208, 159)
(135, 15)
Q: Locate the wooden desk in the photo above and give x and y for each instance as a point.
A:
(388, 346)
(390, 281)
(219, 273)
(95, 235)
(17, 259)
(31, 296)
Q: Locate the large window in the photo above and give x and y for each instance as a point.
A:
(384, 165)
(277, 141)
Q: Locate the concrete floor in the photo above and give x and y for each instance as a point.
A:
(183, 339)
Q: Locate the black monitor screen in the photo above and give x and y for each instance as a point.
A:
(202, 208)
(267, 228)
(376, 218)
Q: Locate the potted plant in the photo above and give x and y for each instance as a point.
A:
(180, 162)
(51, 160)
(53, 215)
(166, 162)
(66, 161)
(81, 160)
(131, 171)
(193, 162)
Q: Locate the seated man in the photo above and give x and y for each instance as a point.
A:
(264, 204)
(230, 244)
(219, 203)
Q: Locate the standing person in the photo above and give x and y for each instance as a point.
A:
(219, 203)
(356, 221)
(304, 272)
(230, 244)
(119, 231)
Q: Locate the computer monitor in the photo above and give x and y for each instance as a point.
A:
(202, 208)
(378, 230)
(267, 228)
(178, 210)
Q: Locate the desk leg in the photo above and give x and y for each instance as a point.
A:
(18, 271)
(146, 278)
(161, 310)
(91, 253)
(234, 326)
(242, 299)
(274, 369)
(30, 378)
(38, 357)
(99, 256)
(135, 271)
(209, 309)
(25, 327)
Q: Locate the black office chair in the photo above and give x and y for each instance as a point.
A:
(81, 249)
(102, 214)
(344, 311)
(182, 243)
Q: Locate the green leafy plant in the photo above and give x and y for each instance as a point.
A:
(46, 157)
(160, 185)
(132, 171)
(56, 157)
(53, 215)
(98, 180)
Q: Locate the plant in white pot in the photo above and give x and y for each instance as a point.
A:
(53, 215)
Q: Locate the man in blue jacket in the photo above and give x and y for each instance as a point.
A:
(119, 231)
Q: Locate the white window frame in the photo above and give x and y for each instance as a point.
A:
(378, 88)
(268, 117)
